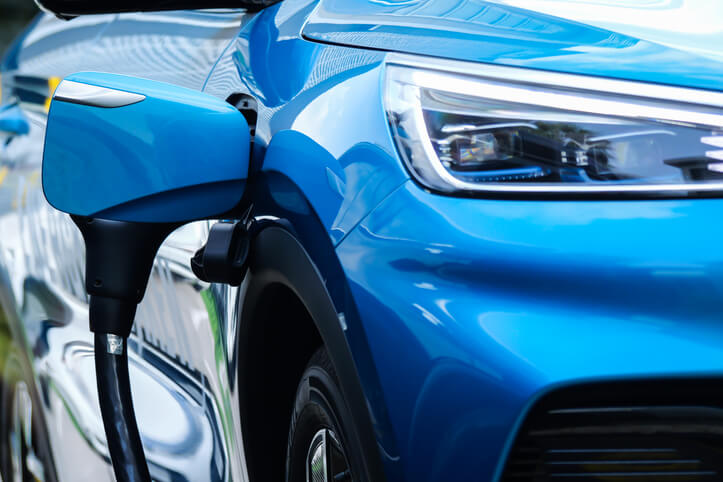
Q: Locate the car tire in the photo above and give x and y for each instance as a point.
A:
(319, 439)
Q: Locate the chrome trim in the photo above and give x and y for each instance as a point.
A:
(317, 463)
(578, 93)
(94, 96)
(320, 465)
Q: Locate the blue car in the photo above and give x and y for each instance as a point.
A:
(481, 239)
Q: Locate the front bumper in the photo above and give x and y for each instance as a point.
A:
(474, 309)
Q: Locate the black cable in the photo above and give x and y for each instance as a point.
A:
(116, 406)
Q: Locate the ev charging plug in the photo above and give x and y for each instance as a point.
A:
(130, 160)
(119, 259)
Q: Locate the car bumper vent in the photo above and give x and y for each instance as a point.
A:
(620, 432)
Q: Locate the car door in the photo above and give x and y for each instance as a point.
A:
(36, 245)
(183, 415)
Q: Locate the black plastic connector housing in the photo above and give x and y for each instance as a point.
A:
(118, 261)
(223, 258)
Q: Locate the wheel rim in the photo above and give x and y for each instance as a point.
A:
(25, 464)
(325, 459)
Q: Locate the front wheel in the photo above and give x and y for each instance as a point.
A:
(319, 448)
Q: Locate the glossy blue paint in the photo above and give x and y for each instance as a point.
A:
(459, 313)
(492, 303)
(323, 155)
(174, 354)
(177, 155)
(496, 302)
(540, 36)
(178, 47)
(13, 121)
(342, 172)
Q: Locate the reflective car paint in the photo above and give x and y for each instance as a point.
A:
(459, 313)
(182, 328)
(341, 173)
(324, 180)
(539, 36)
(691, 25)
(478, 311)
(515, 298)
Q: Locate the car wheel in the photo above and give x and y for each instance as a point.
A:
(318, 445)
(23, 453)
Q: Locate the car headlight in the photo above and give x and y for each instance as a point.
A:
(479, 129)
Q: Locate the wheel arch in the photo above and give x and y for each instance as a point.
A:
(282, 276)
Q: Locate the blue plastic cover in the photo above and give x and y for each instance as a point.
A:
(176, 155)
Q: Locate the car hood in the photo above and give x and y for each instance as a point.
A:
(677, 42)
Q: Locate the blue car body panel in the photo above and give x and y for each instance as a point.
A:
(611, 291)
(496, 33)
(341, 173)
(459, 313)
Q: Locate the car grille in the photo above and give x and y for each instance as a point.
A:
(643, 432)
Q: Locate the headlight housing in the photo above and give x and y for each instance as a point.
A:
(485, 130)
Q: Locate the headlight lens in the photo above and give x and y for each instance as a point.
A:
(476, 134)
